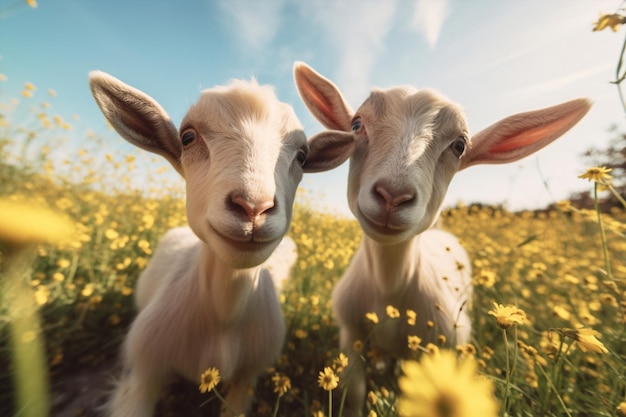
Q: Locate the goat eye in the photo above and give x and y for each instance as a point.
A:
(459, 145)
(356, 125)
(188, 137)
(301, 155)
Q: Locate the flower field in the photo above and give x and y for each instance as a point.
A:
(549, 305)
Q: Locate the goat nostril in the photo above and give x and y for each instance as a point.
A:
(264, 206)
(381, 191)
(252, 209)
(396, 199)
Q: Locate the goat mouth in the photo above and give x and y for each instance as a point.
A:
(386, 227)
(245, 242)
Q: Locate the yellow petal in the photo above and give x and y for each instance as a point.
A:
(21, 223)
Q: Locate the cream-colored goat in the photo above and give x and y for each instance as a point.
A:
(207, 298)
(405, 146)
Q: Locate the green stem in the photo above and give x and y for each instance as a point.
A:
(508, 372)
(343, 400)
(514, 351)
(617, 195)
(30, 369)
(223, 400)
(558, 396)
(330, 403)
(557, 360)
(619, 78)
(605, 248)
(276, 407)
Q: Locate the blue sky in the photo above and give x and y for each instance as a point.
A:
(493, 57)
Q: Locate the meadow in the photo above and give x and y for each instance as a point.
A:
(563, 267)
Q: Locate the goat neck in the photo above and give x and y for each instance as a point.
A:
(228, 288)
(392, 265)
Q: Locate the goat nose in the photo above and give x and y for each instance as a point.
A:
(252, 209)
(395, 198)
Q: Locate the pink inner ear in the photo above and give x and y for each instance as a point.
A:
(325, 107)
(543, 134)
(515, 141)
(321, 104)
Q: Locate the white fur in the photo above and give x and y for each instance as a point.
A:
(405, 145)
(208, 298)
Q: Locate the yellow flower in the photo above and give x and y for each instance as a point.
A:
(111, 234)
(586, 339)
(414, 342)
(282, 384)
(88, 290)
(564, 205)
(141, 262)
(340, 363)
(327, 379)
(597, 174)
(506, 316)
(209, 380)
(486, 278)
(373, 317)
(411, 317)
(372, 398)
(42, 294)
(392, 312)
(144, 245)
(440, 386)
(22, 223)
(32, 3)
(315, 300)
(432, 349)
(609, 20)
(63, 263)
(561, 312)
(622, 408)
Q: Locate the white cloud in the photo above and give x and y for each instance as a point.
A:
(255, 22)
(357, 31)
(558, 83)
(429, 17)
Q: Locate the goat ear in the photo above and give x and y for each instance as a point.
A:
(522, 134)
(328, 150)
(322, 98)
(137, 117)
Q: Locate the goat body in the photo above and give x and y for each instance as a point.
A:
(428, 274)
(432, 264)
(203, 314)
(404, 146)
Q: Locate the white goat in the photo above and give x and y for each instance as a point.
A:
(405, 146)
(207, 298)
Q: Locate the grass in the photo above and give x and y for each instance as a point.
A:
(559, 266)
